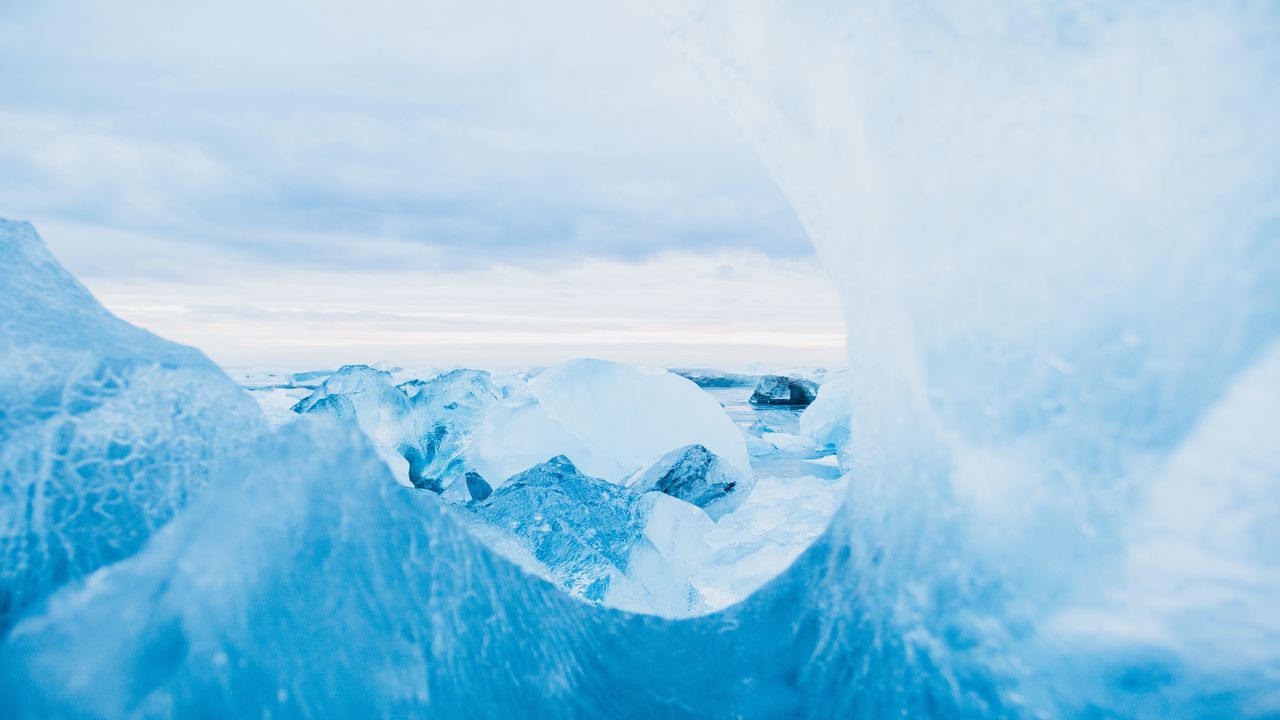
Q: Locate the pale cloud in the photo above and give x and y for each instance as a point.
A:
(482, 128)
(672, 309)
(431, 183)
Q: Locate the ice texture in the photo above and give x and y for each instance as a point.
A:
(106, 430)
(1054, 228)
(697, 476)
(370, 399)
(783, 390)
(311, 584)
(590, 535)
(827, 420)
(608, 418)
(421, 427)
(448, 407)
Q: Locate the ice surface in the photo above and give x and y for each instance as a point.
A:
(448, 407)
(422, 427)
(711, 378)
(311, 584)
(827, 421)
(783, 390)
(1054, 229)
(105, 429)
(608, 418)
(370, 398)
(590, 535)
(697, 476)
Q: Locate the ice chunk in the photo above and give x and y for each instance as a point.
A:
(608, 418)
(105, 429)
(369, 398)
(709, 378)
(424, 423)
(827, 420)
(783, 390)
(590, 534)
(697, 476)
(447, 408)
(477, 487)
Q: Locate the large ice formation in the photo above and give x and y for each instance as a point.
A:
(105, 429)
(608, 418)
(696, 475)
(1055, 231)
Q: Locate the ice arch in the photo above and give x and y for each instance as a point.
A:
(1056, 230)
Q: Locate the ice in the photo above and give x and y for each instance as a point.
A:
(421, 427)
(783, 390)
(590, 535)
(1054, 231)
(711, 378)
(749, 547)
(827, 420)
(105, 429)
(697, 476)
(311, 584)
(370, 398)
(449, 406)
(608, 418)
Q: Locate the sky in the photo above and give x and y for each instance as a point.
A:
(428, 184)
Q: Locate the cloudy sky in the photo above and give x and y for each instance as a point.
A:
(430, 183)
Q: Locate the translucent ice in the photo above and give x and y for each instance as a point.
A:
(105, 429)
(697, 476)
(783, 390)
(1054, 226)
(370, 399)
(421, 427)
(827, 420)
(608, 418)
(448, 407)
(590, 535)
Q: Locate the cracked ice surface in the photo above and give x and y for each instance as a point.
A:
(105, 429)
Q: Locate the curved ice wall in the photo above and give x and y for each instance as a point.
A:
(1057, 231)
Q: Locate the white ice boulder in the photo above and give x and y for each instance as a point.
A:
(609, 418)
(827, 420)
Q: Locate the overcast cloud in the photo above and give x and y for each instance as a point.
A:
(292, 131)
(219, 157)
